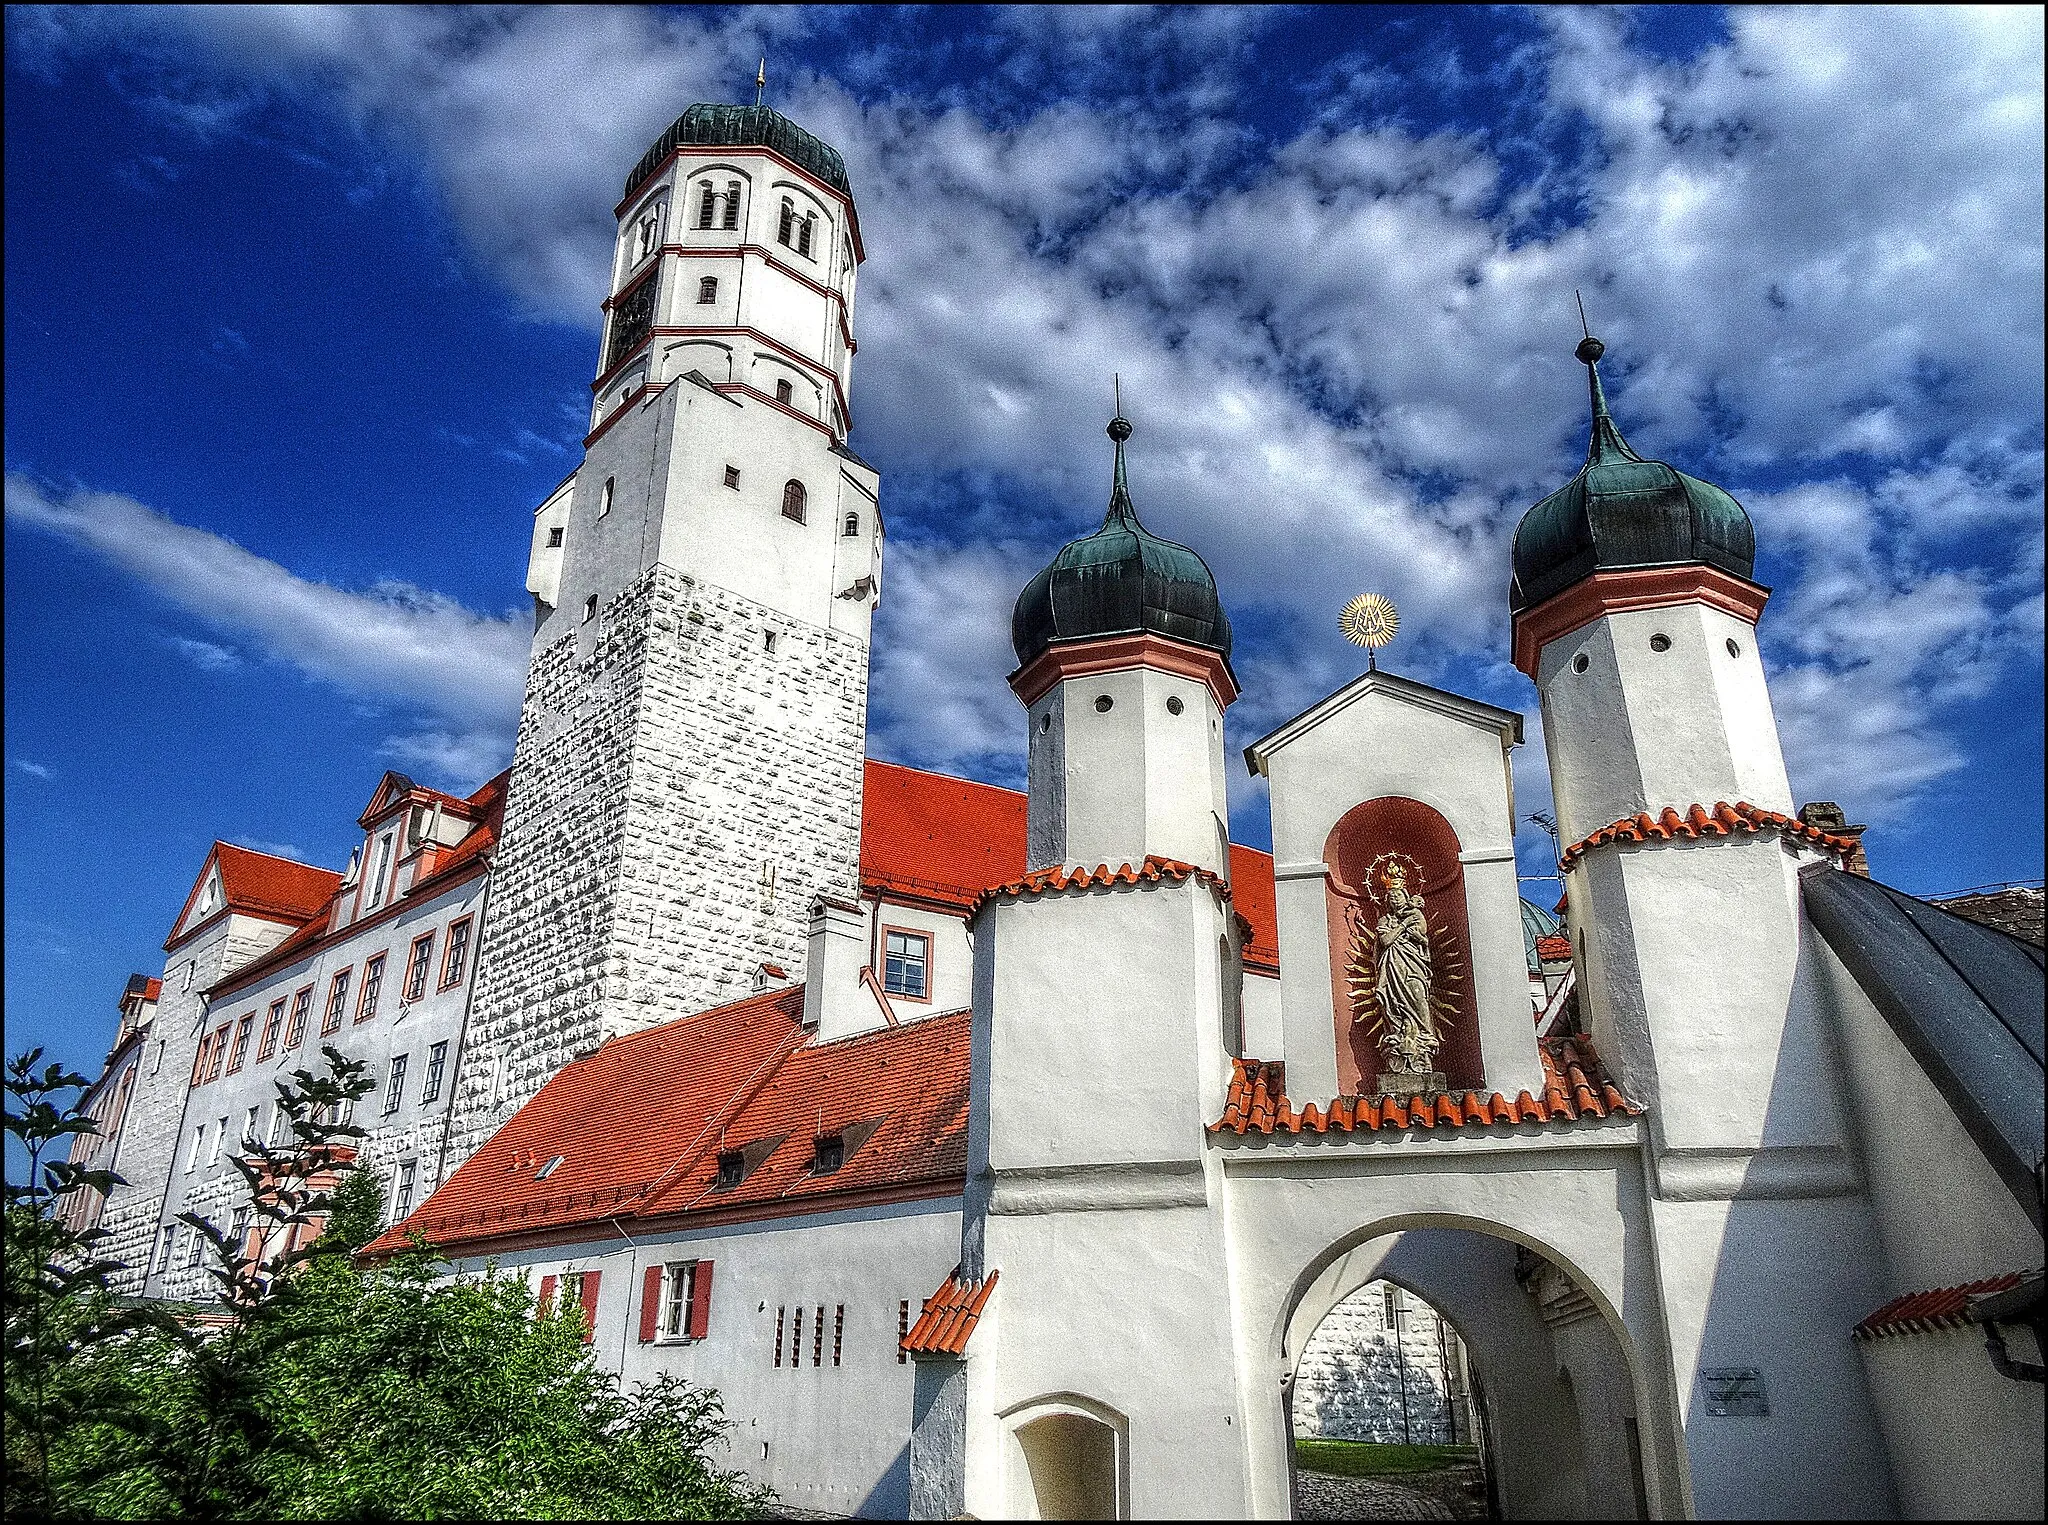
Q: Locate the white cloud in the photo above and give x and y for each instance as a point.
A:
(394, 643)
(204, 655)
(33, 769)
(1814, 251)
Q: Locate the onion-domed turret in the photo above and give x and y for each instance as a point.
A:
(1121, 580)
(708, 126)
(1622, 511)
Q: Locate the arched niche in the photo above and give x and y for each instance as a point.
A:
(1066, 1458)
(1371, 842)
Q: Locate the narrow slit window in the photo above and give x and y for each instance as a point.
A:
(818, 1338)
(902, 1331)
(838, 1331)
(786, 223)
(590, 609)
(779, 1315)
(707, 209)
(731, 219)
(793, 501)
(604, 501)
(707, 291)
(796, 1339)
(803, 234)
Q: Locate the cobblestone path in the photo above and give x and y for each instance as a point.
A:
(1317, 1497)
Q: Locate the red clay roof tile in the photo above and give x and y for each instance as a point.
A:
(1698, 821)
(1576, 1086)
(1919, 1312)
(949, 1315)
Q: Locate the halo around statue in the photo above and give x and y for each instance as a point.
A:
(1371, 621)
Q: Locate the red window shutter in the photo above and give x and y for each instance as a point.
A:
(547, 1294)
(700, 1302)
(590, 1305)
(650, 1304)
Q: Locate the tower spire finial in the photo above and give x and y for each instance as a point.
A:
(761, 80)
(1606, 442)
(1119, 431)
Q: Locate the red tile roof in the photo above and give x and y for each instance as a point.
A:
(1698, 821)
(488, 805)
(153, 990)
(949, 1316)
(1575, 1087)
(1153, 870)
(278, 888)
(640, 1123)
(1553, 949)
(927, 836)
(1919, 1312)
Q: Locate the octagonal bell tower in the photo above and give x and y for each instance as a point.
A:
(687, 779)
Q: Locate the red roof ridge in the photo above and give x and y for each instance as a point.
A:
(1575, 1088)
(1698, 821)
(951, 778)
(1923, 1312)
(1152, 870)
(947, 1319)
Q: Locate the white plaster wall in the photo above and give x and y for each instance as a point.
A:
(1643, 729)
(1381, 742)
(1111, 787)
(1260, 996)
(1965, 1443)
(1943, 1216)
(950, 970)
(826, 1438)
(415, 1131)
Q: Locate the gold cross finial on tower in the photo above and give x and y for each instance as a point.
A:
(761, 79)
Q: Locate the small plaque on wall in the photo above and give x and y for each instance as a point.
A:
(1737, 1390)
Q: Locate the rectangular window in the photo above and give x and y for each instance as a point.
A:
(796, 1339)
(219, 1053)
(373, 986)
(416, 970)
(240, 1051)
(272, 1021)
(828, 1154)
(779, 1312)
(838, 1331)
(302, 1005)
(238, 1233)
(555, 538)
(902, 1331)
(383, 873)
(337, 1004)
(195, 1249)
(906, 963)
(401, 1197)
(198, 1143)
(732, 476)
(818, 1338)
(437, 1061)
(199, 1057)
(278, 1118)
(604, 502)
(731, 219)
(250, 1123)
(167, 1250)
(677, 1282)
(220, 1131)
(455, 962)
(394, 1093)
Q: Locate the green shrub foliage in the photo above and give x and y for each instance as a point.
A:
(319, 1384)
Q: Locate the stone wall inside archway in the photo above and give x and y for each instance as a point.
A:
(1385, 1366)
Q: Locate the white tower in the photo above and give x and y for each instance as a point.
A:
(1635, 613)
(687, 779)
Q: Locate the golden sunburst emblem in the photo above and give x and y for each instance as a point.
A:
(1369, 620)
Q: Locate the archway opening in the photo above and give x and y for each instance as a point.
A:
(1459, 1373)
(1070, 1461)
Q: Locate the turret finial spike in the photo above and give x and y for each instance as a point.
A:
(761, 80)
(1606, 441)
(1119, 431)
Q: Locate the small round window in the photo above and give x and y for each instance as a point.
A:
(1581, 662)
(1173, 704)
(1045, 721)
(1103, 703)
(1733, 649)
(1660, 642)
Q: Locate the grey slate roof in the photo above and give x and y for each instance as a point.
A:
(1966, 1001)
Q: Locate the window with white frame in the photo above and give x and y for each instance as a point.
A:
(401, 1195)
(437, 1062)
(455, 962)
(278, 1119)
(272, 1024)
(195, 1249)
(198, 1144)
(416, 969)
(220, 1131)
(251, 1122)
(302, 1004)
(337, 1004)
(678, 1287)
(383, 873)
(167, 1248)
(906, 963)
(373, 986)
(238, 1232)
(394, 1091)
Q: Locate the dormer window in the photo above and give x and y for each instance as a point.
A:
(383, 873)
(828, 1154)
(707, 291)
(732, 1167)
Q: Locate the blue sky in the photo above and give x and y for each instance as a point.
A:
(302, 308)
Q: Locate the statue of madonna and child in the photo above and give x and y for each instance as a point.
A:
(1394, 961)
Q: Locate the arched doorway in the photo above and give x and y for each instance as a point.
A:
(1066, 1460)
(1553, 1385)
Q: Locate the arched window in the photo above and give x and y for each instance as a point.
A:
(708, 207)
(649, 235)
(793, 501)
(731, 219)
(782, 393)
(787, 222)
(852, 526)
(707, 290)
(803, 234)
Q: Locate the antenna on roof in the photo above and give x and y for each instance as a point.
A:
(761, 79)
(1582, 313)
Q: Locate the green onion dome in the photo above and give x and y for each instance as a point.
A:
(1622, 511)
(704, 126)
(1121, 580)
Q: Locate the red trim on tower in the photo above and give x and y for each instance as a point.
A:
(1076, 659)
(860, 253)
(1642, 588)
